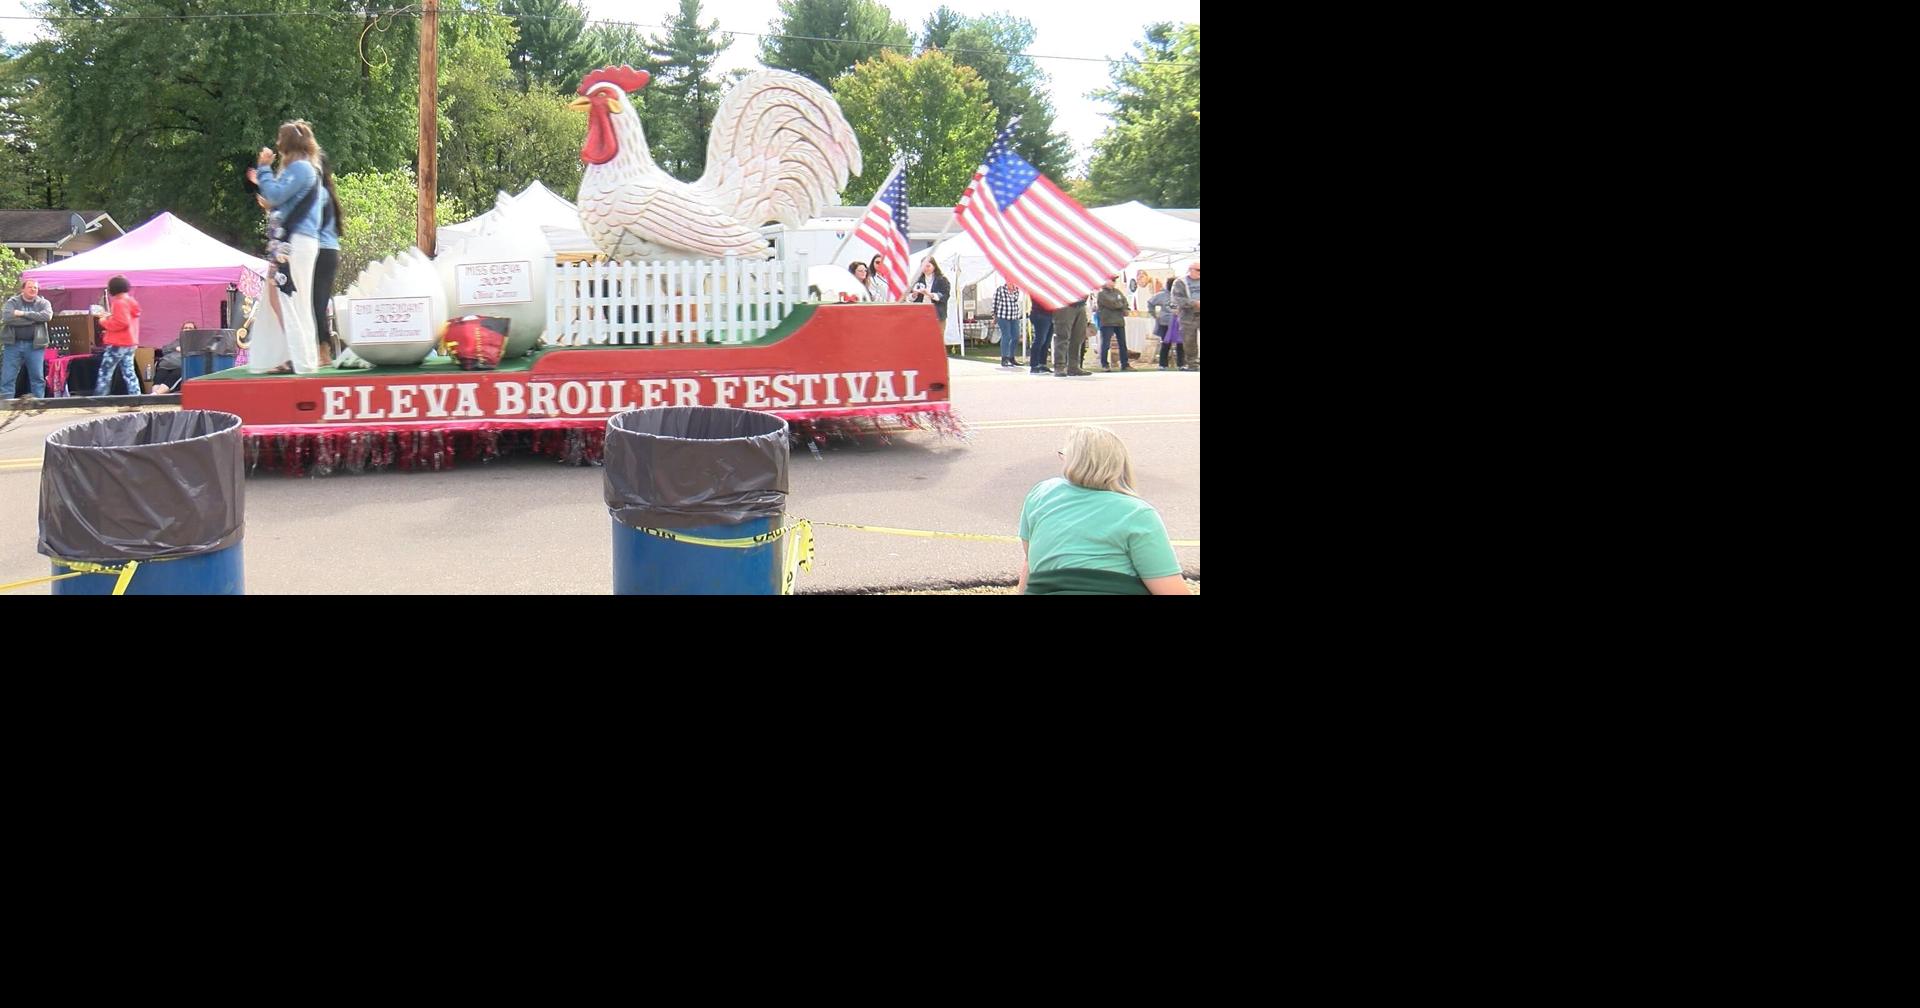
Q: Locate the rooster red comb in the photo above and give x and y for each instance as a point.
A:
(623, 76)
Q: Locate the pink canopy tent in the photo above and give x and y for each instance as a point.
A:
(178, 275)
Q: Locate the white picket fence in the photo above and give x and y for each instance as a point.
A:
(703, 301)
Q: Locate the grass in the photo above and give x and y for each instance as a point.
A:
(989, 353)
(986, 352)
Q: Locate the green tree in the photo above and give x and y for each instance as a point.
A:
(614, 45)
(381, 210)
(493, 137)
(684, 93)
(12, 264)
(27, 177)
(925, 108)
(937, 31)
(1016, 86)
(1151, 153)
(554, 48)
(165, 114)
(825, 38)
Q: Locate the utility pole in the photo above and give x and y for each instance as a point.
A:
(429, 123)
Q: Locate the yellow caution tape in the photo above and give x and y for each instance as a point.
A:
(957, 535)
(925, 534)
(79, 567)
(799, 551)
(748, 543)
(39, 580)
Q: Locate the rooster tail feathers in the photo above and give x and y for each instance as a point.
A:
(780, 150)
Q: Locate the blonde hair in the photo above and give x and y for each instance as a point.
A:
(296, 142)
(1097, 459)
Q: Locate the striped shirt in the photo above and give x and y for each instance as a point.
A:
(1006, 303)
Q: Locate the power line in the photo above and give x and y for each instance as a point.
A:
(413, 9)
(181, 17)
(908, 47)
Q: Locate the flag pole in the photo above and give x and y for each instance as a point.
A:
(1011, 123)
(942, 236)
(951, 217)
(899, 164)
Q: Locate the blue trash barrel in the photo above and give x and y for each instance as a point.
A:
(705, 472)
(222, 572)
(165, 489)
(195, 365)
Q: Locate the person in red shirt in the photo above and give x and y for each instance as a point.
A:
(120, 332)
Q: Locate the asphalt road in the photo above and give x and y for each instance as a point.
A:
(534, 526)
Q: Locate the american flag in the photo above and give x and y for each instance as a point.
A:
(1036, 235)
(884, 227)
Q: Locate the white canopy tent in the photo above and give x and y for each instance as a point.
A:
(1152, 230)
(962, 266)
(834, 281)
(556, 216)
(539, 203)
(1163, 239)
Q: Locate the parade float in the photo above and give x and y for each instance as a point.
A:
(497, 343)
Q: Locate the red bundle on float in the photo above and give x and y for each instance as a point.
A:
(475, 341)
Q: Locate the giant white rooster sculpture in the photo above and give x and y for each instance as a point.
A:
(779, 151)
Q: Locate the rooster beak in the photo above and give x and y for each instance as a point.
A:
(582, 102)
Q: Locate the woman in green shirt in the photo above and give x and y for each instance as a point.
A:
(1086, 532)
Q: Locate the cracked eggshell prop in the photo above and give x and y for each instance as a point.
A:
(392, 315)
(505, 271)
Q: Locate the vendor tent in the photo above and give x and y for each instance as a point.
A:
(556, 216)
(1158, 234)
(1163, 239)
(536, 201)
(178, 275)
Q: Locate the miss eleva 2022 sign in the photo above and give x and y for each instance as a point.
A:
(518, 396)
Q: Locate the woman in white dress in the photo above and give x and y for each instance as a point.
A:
(282, 339)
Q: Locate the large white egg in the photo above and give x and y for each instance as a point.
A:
(403, 277)
(503, 271)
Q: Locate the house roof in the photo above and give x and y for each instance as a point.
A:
(922, 221)
(48, 227)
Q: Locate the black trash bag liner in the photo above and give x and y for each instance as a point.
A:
(143, 486)
(688, 466)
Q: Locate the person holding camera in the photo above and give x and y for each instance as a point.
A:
(296, 195)
(932, 288)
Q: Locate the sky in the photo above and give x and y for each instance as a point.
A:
(1103, 29)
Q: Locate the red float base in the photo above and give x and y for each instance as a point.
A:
(831, 371)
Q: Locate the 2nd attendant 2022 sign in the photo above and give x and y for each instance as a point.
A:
(510, 395)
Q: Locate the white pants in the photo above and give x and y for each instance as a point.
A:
(287, 335)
